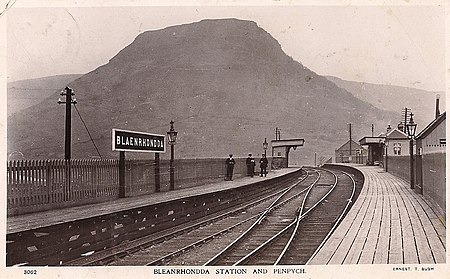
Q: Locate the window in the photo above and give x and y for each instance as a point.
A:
(397, 148)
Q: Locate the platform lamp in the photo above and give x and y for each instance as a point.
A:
(265, 146)
(411, 129)
(172, 138)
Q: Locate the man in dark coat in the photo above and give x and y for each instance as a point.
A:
(230, 166)
(263, 165)
(250, 162)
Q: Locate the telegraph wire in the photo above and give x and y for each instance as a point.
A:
(98, 152)
(33, 89)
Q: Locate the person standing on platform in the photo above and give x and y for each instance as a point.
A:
(230, 166)
(263, 165)
(250, 162)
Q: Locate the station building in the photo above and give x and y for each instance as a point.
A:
(396, 142)
(430, 162)
(351, 154)
(281, 149)
(375, 149)
(396, 153)
(429, 158)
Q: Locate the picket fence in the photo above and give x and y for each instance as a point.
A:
(36, 182)
(36, 185)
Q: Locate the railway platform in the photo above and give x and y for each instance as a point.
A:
(388, 224)
(47, 218)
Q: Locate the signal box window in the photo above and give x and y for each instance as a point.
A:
(397, 149)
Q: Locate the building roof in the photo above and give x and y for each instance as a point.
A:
(433, 124)
(382, 135)
(396, 134)
(287, 142)
(371, 140)
(353, 143)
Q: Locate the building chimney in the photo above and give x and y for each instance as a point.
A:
(400, 126)
(388, 129)
(437, 105)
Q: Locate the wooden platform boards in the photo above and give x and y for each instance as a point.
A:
(388, 224)
(47, 218)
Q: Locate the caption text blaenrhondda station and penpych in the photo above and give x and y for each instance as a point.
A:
(226, 271)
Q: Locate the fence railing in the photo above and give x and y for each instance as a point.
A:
(41, 182)
(37, 185)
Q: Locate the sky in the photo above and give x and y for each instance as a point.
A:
(397, 45)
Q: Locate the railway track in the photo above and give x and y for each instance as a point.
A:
(158, 248)
(317, 226)
(159, 255)
(266, 242)
(284, 228)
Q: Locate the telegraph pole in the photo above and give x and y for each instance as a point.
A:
(405, 121)
(277, 134)
(350, 141)
(69, 101)
(68, 92)
(406, 116)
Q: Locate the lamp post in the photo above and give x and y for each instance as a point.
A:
(411, 128)
(265, 145)
(172, 137)
(386, 145)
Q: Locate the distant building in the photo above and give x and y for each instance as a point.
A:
(281, 149)
(397, 143)
(375, 149)
(358, 154)
(430, 161)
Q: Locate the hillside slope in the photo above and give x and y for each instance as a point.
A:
(23, 94)
(226, 83)
(395, 98)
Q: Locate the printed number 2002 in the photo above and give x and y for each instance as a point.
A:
(30, 271)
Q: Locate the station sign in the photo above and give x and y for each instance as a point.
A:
(123, 140)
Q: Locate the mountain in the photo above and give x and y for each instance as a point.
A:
(226, 83)
(26, 93)
(396, 98)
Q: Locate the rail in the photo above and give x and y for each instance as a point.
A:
(256, 223)
(270, 208)
(338, 220)
(302, 215)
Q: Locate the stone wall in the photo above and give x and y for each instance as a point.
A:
(429, 176)
(433, 173)
(399, 166)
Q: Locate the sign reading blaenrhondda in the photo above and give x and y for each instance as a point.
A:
(123, 140)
